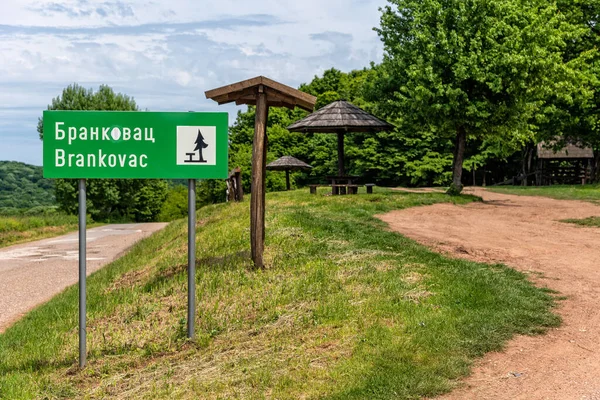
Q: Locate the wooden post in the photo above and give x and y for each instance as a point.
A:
(257, 195)
(230, 191)
(238, 186)
(264, 178)
(262, 92)
(287, 179)
(341, 154)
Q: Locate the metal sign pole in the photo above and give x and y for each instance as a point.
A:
(82, 275)
(191, 257)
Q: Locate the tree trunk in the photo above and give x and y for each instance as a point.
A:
(526, 165)
(596, 167)
(457, 163)
(484, 176)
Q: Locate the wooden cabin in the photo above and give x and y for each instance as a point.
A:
(567, 166)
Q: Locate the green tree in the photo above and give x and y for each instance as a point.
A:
(474, 69)
(107, 199)
(577, 119)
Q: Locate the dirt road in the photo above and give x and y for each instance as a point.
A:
(32, 273)
(525, 233)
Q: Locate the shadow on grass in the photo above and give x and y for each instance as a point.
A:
(38, 364)
(229, 261)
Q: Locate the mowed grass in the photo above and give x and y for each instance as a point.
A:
(589, 222)
(345, 309)
(561, 192)
(17, 229)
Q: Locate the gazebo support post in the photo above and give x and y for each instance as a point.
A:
(341, 169)
(340, 138)
(287, 179)
(257, 195)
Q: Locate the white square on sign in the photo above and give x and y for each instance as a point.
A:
(196, 145)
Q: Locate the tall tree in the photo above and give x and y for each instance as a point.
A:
(116, 199)
(474, 69)
(577, 119)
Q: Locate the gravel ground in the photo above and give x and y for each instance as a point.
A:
(525, 233)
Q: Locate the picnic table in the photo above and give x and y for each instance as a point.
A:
(343, 184)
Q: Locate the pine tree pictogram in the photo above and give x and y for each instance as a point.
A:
(200, 144)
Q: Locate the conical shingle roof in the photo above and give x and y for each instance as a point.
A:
(340, 116)
(287, 163)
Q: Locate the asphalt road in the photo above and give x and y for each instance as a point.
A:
(32, 273)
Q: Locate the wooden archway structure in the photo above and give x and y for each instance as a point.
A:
(263, 93)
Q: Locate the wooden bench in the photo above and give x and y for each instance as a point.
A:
(353, 189)
(369, 187)
(344, 188)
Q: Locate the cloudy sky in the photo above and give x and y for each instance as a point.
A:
(167, 53)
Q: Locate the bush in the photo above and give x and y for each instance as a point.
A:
(176, 204)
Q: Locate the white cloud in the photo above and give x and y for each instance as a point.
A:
(166, 54)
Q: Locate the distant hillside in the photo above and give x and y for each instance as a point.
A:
(22, 186)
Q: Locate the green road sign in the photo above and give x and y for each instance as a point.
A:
(112, 144)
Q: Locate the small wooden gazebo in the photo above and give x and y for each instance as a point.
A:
(287, 164)
(570, 165)
(340, 117)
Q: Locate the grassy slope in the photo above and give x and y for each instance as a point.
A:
(18, 229)
(345, 309)
(562, 192)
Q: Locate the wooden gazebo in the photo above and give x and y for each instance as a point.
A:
(287, 164)
(570, 165)
(340, 117)
(263, 93)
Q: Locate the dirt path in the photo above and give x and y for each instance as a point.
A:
(32, 273)
(524, 233)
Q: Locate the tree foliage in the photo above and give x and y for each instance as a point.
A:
(469, 84)
(22, 186)
(107, 199)
(578, 120)
(474, 70)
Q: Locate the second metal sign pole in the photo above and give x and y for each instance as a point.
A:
(82, 273)
(191, 257)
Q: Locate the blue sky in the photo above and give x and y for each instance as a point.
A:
(167, 53)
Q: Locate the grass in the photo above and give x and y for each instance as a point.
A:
(590, 221)
(561, 192)
(18, 229)
(344, 310)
